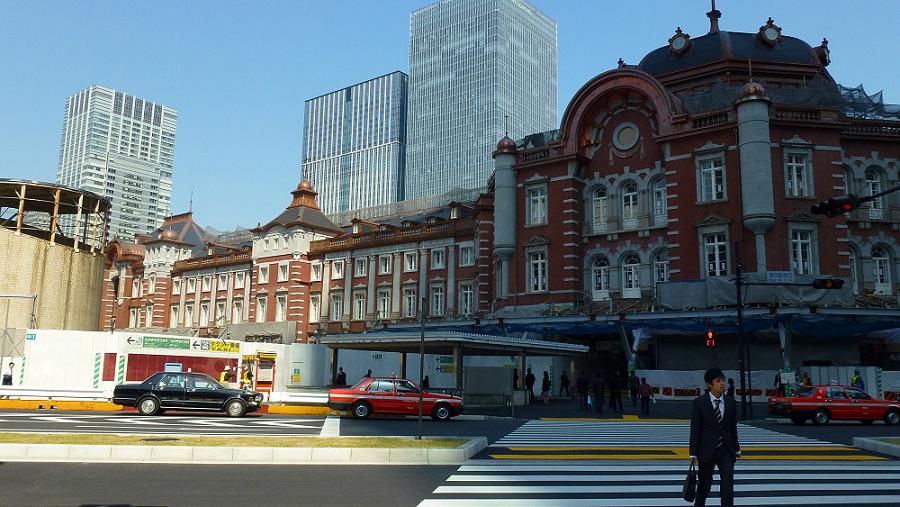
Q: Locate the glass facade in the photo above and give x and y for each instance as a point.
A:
(354, 146)
(123, 148)
(471, 63)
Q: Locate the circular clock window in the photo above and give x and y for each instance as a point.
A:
(678, 43)
(771, 34)
(625, 136)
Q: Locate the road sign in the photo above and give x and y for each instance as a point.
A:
(224, 346)
(31, 337)
(136, 341)
(159, 342)
(780, 276)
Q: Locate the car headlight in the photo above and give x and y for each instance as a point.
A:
(259, 397)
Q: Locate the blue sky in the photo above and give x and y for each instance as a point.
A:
(238, 72)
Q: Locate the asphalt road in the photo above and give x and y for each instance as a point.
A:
(254, 424)
(84, 484)
(840, 432)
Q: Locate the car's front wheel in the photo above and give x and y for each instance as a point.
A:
(361, 409)
(892, 418)
(235, 408)
(148, 406)
(821, 417)
(441, 412)
(798, 419)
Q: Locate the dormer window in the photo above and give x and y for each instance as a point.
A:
(454, 213)
(355, 228)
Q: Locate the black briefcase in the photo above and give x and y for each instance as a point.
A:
(689, 492)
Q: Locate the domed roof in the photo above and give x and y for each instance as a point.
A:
(752, 90)
(168, 235)
(305, 185)
(506, 145)
(721, 46)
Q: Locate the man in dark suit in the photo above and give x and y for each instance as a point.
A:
(714, 441)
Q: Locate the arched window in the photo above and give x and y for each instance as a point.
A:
(631, 282)
(881, 270)
(629, 206)
(660, 202)
(661, 268)
(873, 186)
(600, 279)
(599, 210)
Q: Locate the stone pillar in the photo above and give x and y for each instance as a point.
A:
(396, 289)
(451, 279)
(757, 188)
(326, 291)
(370, 290)
(504, 209)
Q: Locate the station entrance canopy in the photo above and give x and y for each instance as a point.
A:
(444, 342)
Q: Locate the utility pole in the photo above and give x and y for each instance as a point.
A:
(421, 361)
(738, 284)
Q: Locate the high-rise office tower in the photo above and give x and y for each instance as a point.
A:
(121, 147)
(354, 146)
(471, 63)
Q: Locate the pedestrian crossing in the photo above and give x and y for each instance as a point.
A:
(607, 463)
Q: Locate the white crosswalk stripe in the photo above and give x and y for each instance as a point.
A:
(621, 433)
(540, 482)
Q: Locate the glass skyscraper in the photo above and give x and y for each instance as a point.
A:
(123, 148)
(354, 146)
(471, 63)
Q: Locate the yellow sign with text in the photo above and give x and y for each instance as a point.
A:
(215, 346)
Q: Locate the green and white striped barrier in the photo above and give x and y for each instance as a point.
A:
(22, 371)
(98, 363)
(120, 374)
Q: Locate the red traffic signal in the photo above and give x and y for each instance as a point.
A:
(710, 338)
(836, 205)
(828, 283)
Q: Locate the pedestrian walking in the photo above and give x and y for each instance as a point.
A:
(779, 385)
(8, 374)
(645, 391)
(856, 381)
(597, 396)
(615, 393)
(581, 389)
(545, 388)
(564, 385)
(731, 390)
(247, 378)
(368, 373)
(634, 383)
(714, 438)
(341, 379)
(426, 384)
(529, 384)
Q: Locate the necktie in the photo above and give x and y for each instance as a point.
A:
(721, 441)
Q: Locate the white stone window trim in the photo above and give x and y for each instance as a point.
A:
(438, 258)
(792, 168)
(600, 278)
(315, 271)
(337, 269)
(536, 204)
(700, 161)
(702, 235)
(263, 274)
(631, 275)
(470, 248)
(537, 266)
(599, 209)
(795, 244)
(360, 266)
(315, 308)
(385, 263)
(410, 267)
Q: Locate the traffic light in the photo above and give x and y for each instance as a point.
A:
(836, 205)
(828, 283)
(710, 338)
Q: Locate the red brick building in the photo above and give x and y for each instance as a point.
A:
(633, 214)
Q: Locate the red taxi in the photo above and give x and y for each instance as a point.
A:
(841, 403)
(378, 395)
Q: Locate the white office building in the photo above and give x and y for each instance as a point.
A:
(471, 63)
(121, 147)
(354, 144)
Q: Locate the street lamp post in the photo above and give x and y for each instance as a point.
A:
(421, 361)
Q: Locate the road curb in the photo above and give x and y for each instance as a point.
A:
(103, 406)
(243, 455)
(877, 445)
